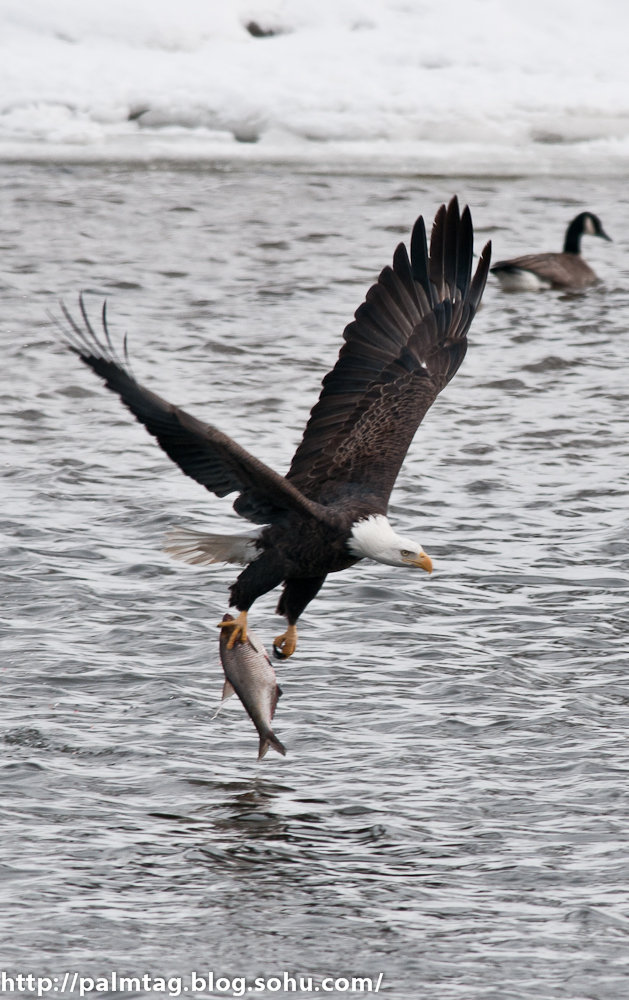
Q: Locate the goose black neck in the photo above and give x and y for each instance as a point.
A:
(572, 242)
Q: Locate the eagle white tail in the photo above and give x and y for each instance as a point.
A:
(202, 549)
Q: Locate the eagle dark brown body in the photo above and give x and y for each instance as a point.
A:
(318, 548)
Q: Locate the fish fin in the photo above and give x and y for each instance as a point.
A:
(228, 691)
(277, 694)
(270, 740)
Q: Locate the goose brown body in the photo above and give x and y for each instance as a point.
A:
(566, 270)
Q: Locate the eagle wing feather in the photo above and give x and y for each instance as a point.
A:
(200, 450)
(406, 342)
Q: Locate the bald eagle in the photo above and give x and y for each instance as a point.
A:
(407, 340)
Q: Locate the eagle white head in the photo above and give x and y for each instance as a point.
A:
(374, 538)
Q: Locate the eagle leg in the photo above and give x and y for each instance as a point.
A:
(239, 629)
(286, 644)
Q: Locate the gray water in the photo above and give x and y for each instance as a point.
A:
(453, 810)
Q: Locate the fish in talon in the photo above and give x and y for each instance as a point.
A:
(236, 628)
(249, 674)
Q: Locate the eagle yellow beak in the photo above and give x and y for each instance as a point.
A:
(422, 561)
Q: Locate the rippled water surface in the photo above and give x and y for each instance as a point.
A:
(453, 809)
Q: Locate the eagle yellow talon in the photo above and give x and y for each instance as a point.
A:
(286, 644)
(238, 626)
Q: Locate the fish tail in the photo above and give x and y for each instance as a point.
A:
(270, 740)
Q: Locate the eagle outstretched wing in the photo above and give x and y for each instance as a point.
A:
(406, 342)
(200, 450)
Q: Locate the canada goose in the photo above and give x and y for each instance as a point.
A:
(553, 270)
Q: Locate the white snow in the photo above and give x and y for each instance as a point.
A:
(446, 86)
